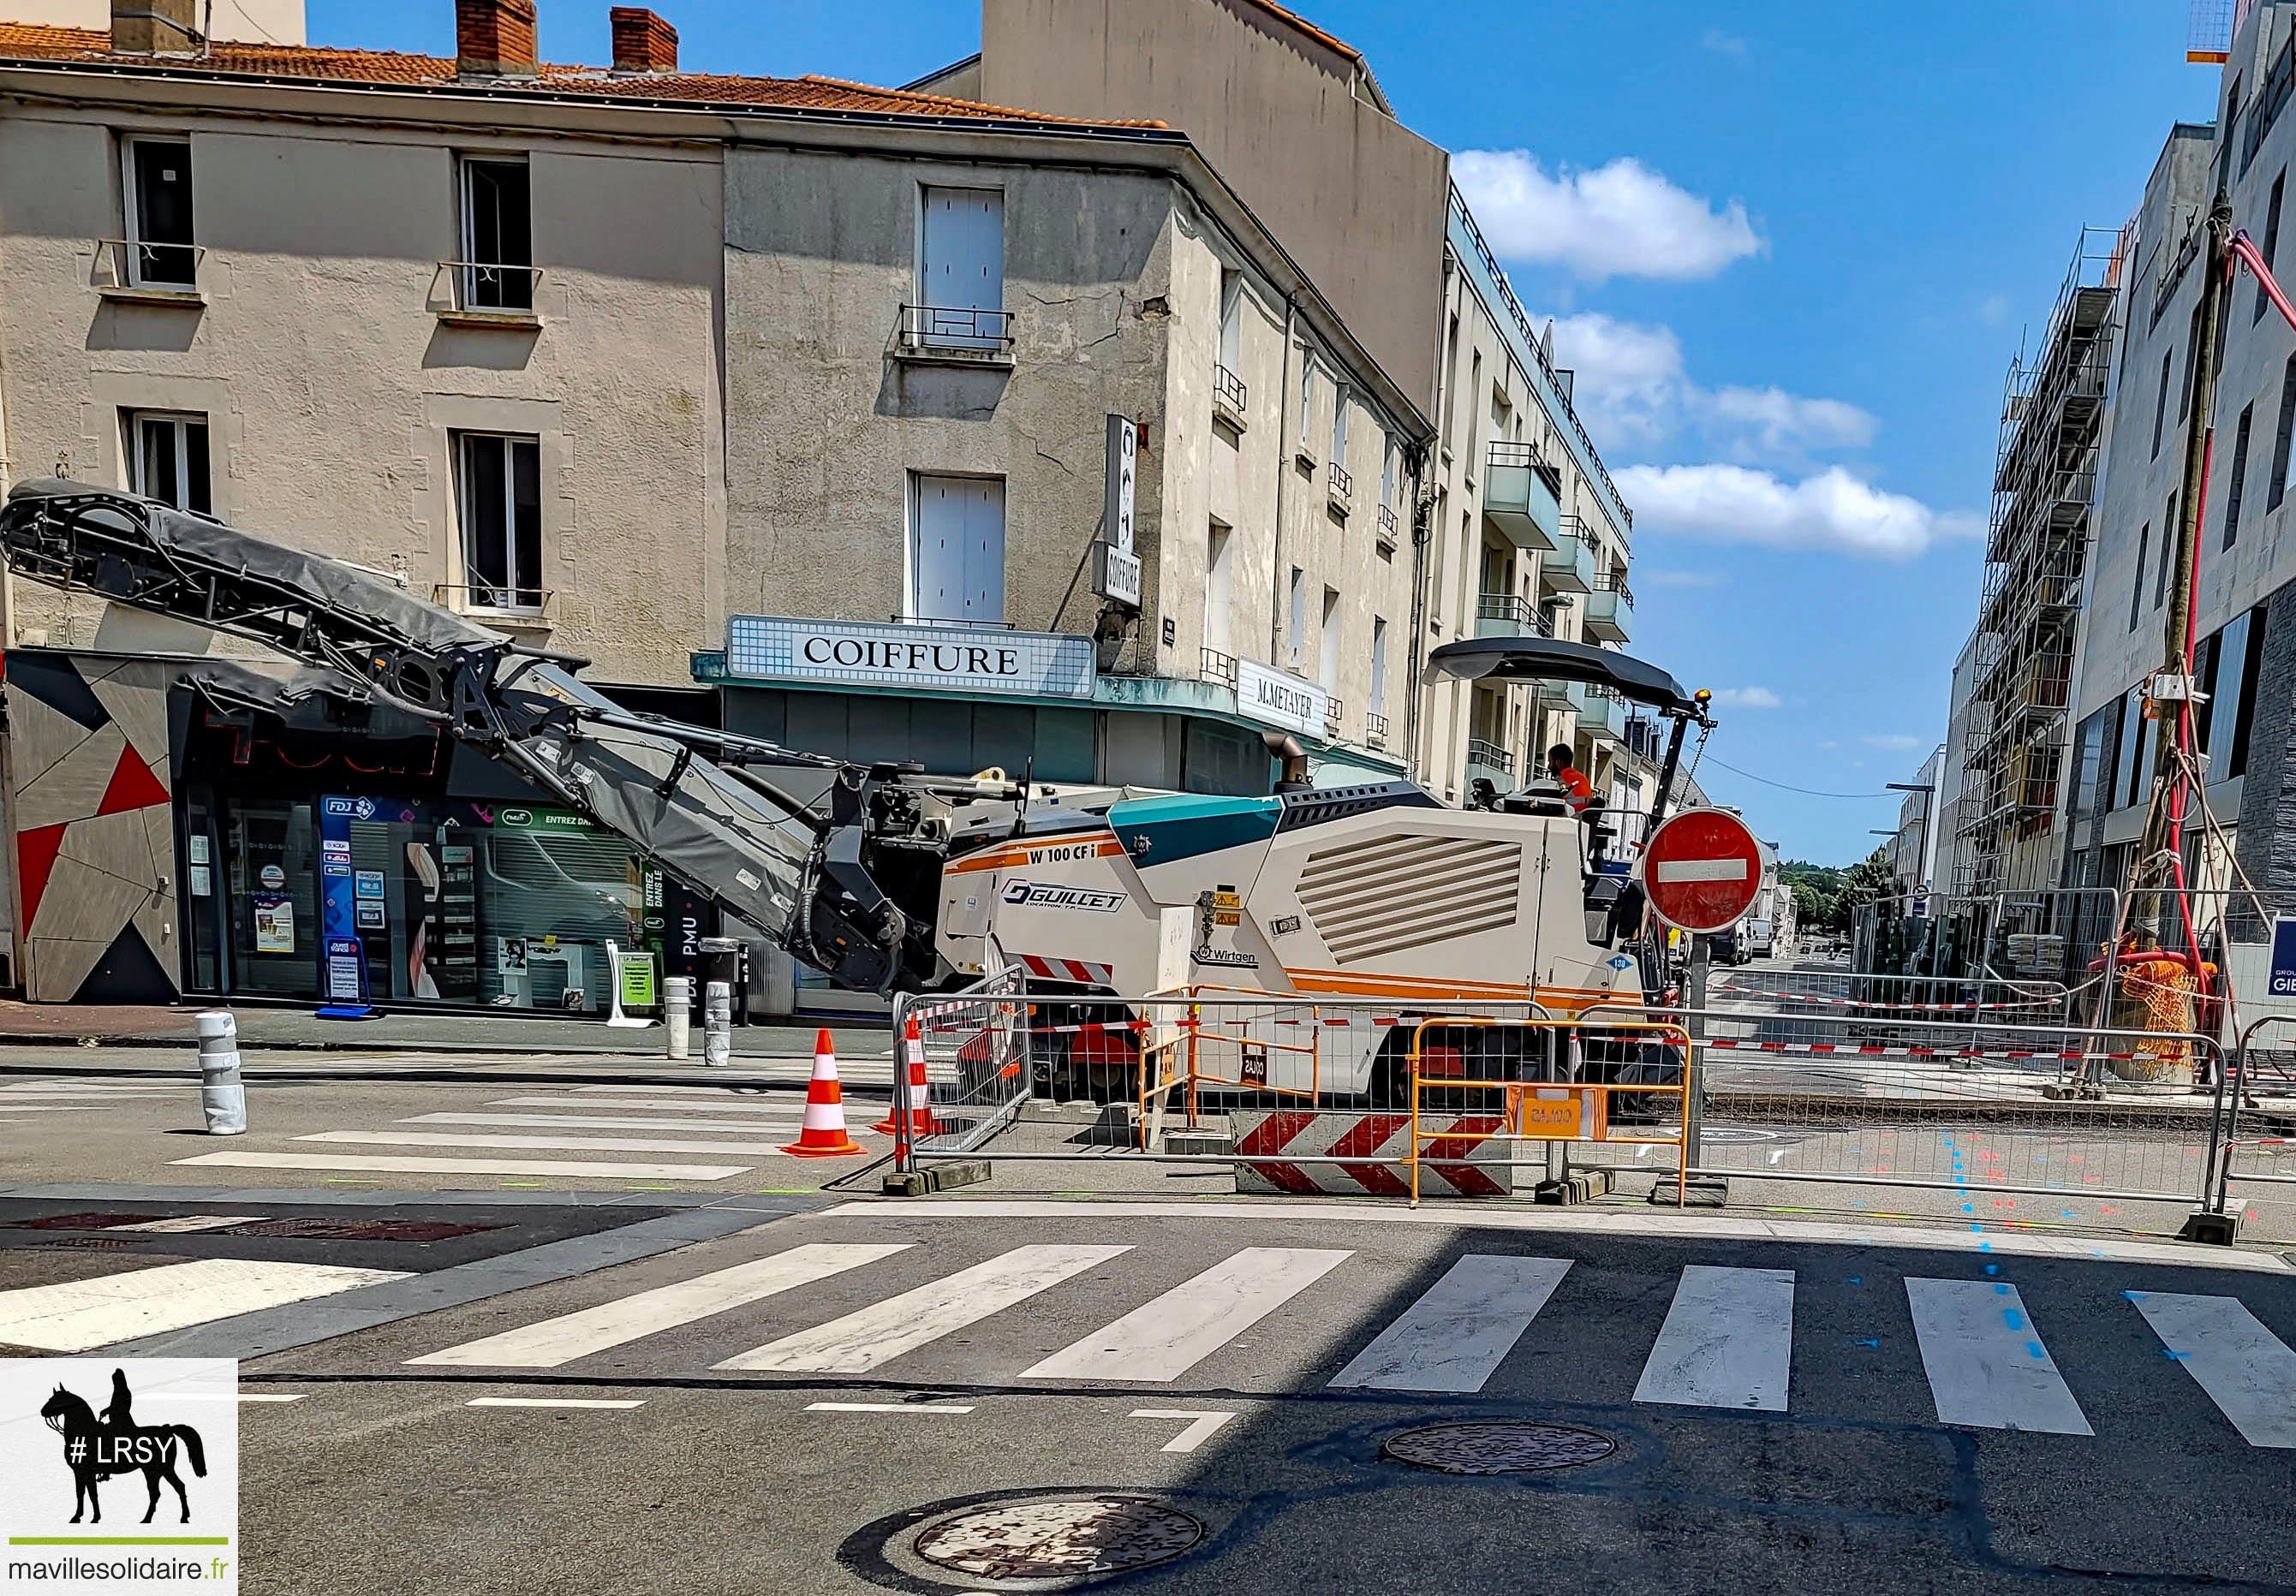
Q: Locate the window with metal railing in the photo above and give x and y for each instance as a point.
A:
(497, 265)
(1611, 582)
(1484, 752)
(956, 327)
(1343, 483)
(1213, 665)
(1228, 389)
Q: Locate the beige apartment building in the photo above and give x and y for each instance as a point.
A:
(769, 396)
(1521, 531)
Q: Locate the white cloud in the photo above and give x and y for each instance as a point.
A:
(1747, 697)
(1724, 44)
(1994, 310)
(1830, 742)
(1897, 741)
(1662, 577)
(1629, 381)
(1834, 511)
(1618, 220)
(1781, 421)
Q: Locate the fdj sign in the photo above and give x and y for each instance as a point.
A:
(2284, 956)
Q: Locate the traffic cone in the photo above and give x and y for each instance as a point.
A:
(823, 1133)
(920, 1115)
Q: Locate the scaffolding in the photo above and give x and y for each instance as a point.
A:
(2036, 553)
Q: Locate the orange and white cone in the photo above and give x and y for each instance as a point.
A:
(920, 1115)
(823, 1134)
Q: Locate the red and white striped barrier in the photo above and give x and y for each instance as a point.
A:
(1878, 1050)
(1876, 1003)
(1458, 1157)
(1079, 970)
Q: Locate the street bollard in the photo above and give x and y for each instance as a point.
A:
(223, 1096)
(677, 1014)
(717, 1024)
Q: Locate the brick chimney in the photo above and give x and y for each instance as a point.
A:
(643, 41)
(494, 38)
(155, 26)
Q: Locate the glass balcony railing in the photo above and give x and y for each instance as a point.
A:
(1569, 566)
(1602, 713)
(1609, 611)
(1487, 761)
(1509, 615)
(1521, 496)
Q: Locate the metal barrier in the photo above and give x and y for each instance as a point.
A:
(1285, 1089)
(1566, 1110)
(2062, 1108)
(1368, 1095)
(2270, 1145)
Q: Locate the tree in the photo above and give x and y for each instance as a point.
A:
(1812, 908)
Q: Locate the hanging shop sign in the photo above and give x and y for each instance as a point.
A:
(972, 659)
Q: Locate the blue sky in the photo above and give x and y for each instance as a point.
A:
(1790, 248)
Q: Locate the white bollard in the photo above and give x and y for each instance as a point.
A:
(677, 1014)
(223, 1096)
(717, 1024)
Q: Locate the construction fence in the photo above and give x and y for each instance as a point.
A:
(1995, 1091)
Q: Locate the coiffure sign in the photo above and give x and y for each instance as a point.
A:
(768, 648)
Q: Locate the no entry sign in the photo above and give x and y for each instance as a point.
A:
(1702, 869)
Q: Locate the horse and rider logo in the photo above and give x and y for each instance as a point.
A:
(98, 1447)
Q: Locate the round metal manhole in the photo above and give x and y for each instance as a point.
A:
(1498, 1448)
(1063, 1538)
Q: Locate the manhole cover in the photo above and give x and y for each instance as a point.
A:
(1059, 1537)
(1499, 1448)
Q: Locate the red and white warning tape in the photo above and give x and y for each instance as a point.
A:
(1870, 1051)
(1875, 1002)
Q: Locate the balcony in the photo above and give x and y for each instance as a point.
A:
(1334, 711)
(954, 334)
(1521, 496)
(1374, 728)
(1569, 566)
(1213, 665)
(1509, 615)
(148, 274)
(1609, 611)
(1602, 713)
(1229, 397)
(477, 293)
(1342, 489)
(1487, 761)
(1390, 529)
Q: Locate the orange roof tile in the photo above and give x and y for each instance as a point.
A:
(39, 42)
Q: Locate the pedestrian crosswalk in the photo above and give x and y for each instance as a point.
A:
(597, 1132)
(1484, 1324)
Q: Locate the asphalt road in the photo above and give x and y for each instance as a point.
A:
(716, 1479)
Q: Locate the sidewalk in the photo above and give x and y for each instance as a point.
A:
(266, 1030)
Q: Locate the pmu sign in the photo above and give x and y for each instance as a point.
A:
(1702, 869)
(1119, 570)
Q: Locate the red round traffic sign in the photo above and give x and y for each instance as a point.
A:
(1702, 869)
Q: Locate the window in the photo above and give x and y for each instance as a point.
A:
(167, 459)
(956, 560)
(2136, 592)
(1330, 675)
(501, 509)
(1378, 700)
(2136, 748)
(1306, 400)
(1474, 411)
(2271, 239)
(2238, 655)
(1220, 587)
(1387, 475)
(2160, 401)
(1450, 376)
(497, 236)
(2279, 488)
(2169, 538)
(961, 268)
(1296, 639)
(1231, 336)
(1339, 426)
(158, 191)
(2239, 482)
(2087, 757)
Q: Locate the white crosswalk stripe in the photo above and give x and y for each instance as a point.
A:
(377, 1164)
(1986, 1364)
(608, 1122)
(755, 1148)
(76, 1315)
(786, 1102)
(2249, 1372)
(1163, 1339)
(860, 1342)
(1727, 1341)
(1460, 1329)
(571, 1336)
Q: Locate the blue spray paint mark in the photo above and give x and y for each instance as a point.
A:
(1969, 1207)
(1856, 1280)
(2176, 1357)
(1871, 1341)
(2015, 1319)
(2036, 1349)
(2134, 1295)
(1993, 1269)
(2001, 1290)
